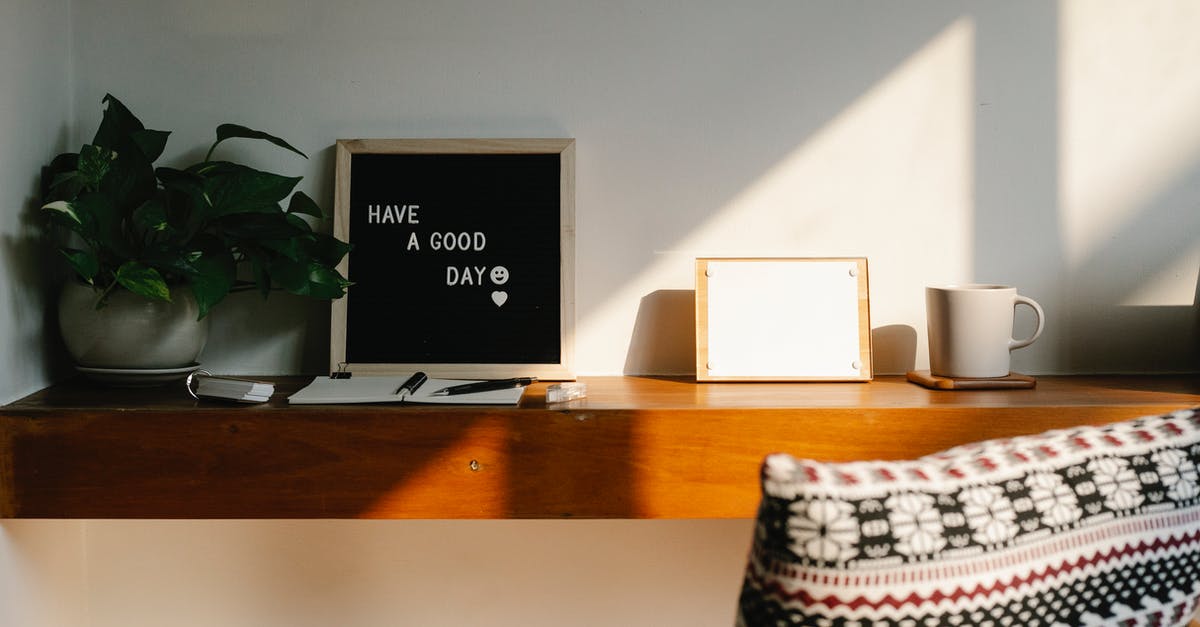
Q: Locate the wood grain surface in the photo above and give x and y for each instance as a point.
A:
(634, 448)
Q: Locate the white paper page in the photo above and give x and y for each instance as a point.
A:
(510, 396)
(377, 389)
(353, 390)
(783, 319)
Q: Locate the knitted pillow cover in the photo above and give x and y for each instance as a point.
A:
(1085, 526)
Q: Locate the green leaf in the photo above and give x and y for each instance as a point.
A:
(308, 279)
(147, 229)
(67, 185)
(259, 227)
(60, 179)
(143, 280)
(83, 262)
(302, 203)
(64, 162)
(232, 188)
(64, 208)
(207, 243)
(325, 282)
(298, 223)
(230, 131)
(180, 180)
(289, 274)
(329, 250)
(293, 248)
(151, 216)
(130, 180)
(79, 215)
(172, 262)
(186, 207)
(118, 124)
(150, 143)
(94, 164)
(102, 222)
(214, 276)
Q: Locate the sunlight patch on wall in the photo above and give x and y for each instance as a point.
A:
(1174, 284)
(889, 177)
(1129, 126)
(899, 155)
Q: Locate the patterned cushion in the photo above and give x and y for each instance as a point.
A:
(1086, 526)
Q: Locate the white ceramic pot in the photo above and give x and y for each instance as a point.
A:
(130, 332)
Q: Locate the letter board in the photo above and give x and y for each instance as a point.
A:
(463, 257)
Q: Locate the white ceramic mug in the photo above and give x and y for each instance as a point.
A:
(970, 329)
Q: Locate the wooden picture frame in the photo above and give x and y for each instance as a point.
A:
(789, 319)
(432, 223)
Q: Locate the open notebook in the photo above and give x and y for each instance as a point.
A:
(392, 389)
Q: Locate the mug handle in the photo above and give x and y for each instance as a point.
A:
(1037, 310)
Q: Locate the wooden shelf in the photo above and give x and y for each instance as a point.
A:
(634, 448)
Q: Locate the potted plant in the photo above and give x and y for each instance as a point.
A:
(155, 249)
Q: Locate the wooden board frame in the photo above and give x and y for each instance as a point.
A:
(704, 373)
(563, 369)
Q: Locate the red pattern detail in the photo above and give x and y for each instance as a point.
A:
(1145, 436)
(1113, 440)
(803, 597)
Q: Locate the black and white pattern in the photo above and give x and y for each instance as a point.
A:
(1097, 525)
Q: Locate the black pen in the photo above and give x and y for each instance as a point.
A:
(414, 382)
(485, 386)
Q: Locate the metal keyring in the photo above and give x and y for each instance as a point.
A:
(193, 376)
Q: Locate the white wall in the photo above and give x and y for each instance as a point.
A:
(35, 119)
(43, 578)
(384, 573)
(41, 564)
(1048, 145)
